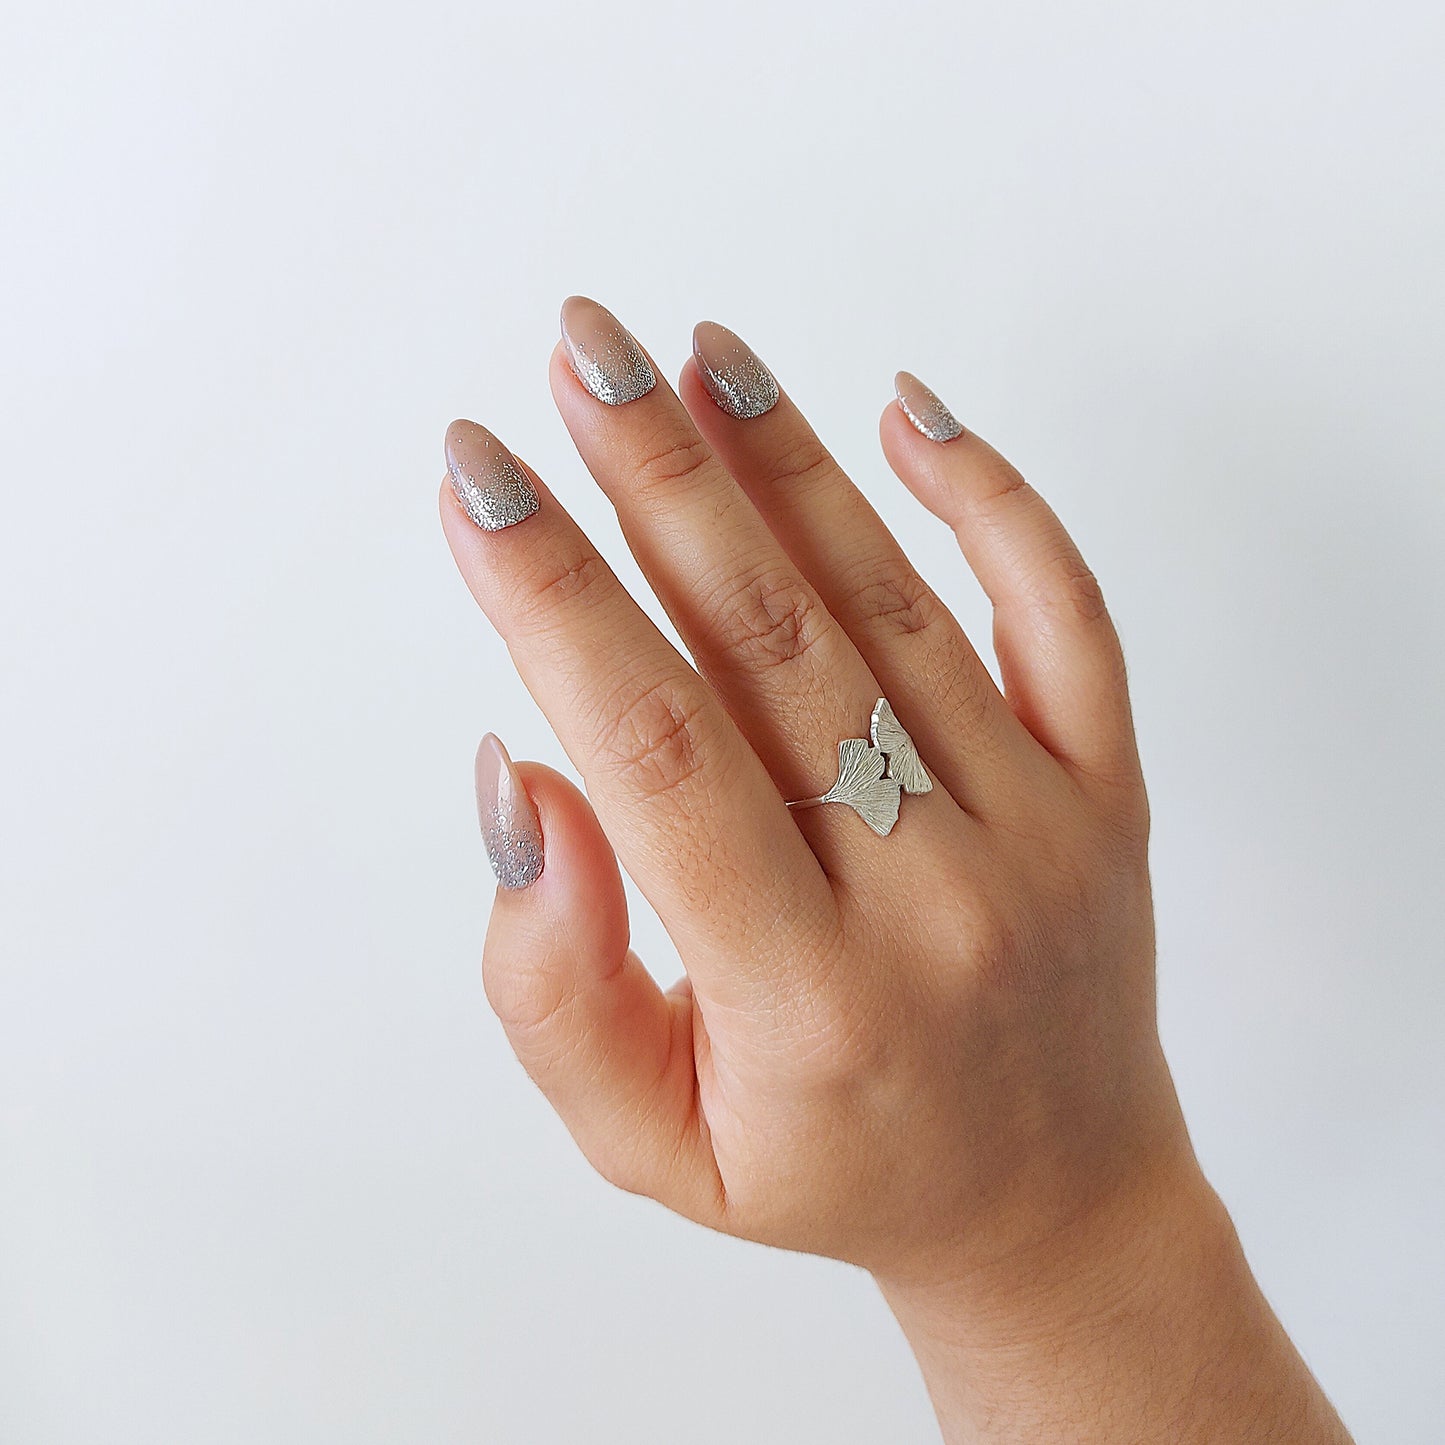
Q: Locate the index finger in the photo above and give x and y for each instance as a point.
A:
(685, 801)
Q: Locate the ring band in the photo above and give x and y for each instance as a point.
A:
(874, 772)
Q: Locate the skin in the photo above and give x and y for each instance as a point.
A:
(933, 1055)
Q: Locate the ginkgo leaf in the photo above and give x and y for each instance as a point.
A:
(895, 744)
(864, 786)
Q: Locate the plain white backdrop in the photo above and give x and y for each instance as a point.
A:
(268, 1171)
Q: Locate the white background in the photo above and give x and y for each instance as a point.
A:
(268, 1172)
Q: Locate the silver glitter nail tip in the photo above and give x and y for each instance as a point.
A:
(489, 483)
(734, 377)
(510, 830)
(604, 355)
(514, 853)
(923, 408)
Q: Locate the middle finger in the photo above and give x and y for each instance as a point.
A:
(783, 667)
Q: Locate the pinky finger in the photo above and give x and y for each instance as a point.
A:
(612, 1052)
(1059, 655)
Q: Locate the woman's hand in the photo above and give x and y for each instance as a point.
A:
(931, 1053)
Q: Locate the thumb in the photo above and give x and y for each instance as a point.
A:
(612, 1052)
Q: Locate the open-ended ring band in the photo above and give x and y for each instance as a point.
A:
(874, 772)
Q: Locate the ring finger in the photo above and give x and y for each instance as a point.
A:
(927, 666)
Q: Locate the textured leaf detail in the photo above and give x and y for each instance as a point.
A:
(895, 744)
(863, 785)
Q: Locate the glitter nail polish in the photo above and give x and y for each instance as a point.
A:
(486, 477)
(734, 377)
(603, 353)
(923, 408)
(510, 830)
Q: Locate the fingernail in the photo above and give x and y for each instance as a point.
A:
(487, 478)
(509, 821)
(608, 362)
(923, 408)
(740, 384)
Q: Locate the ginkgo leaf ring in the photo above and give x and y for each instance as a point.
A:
(874, 772)
(894, 743)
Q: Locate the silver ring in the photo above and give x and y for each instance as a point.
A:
(874, 772)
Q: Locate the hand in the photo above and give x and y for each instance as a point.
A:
(931, 1053)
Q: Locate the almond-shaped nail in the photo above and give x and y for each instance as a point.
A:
(923, 408)
(487, 478)
(732, 373)
(509, 821)
(603, 353)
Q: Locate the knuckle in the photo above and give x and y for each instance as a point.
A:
(846, 1047)
(990, 937)
(669, 459)
(999, 949)
(804, 461)
(1072, 581)
(770, 621)
(562, 579)
(1063, 579)
(654, 740)
(529, 999)
(900, 601)
(1000, 484)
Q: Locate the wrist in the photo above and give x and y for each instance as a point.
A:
(1138, 1318)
